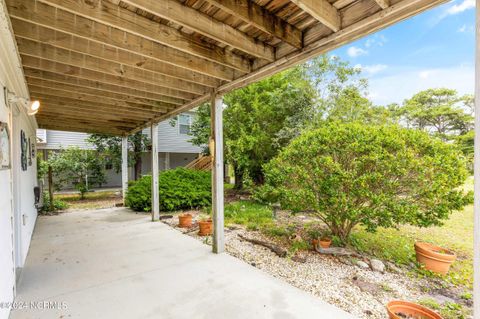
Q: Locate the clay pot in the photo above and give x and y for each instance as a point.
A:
(314, 243)
(185, 220)
(410, 309)
(325, 242)
(435, 258)
(205, 227)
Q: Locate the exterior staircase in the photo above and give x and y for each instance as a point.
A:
(202, 163)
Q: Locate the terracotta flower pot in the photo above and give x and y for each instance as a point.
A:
(435, 258)
(205, 227)
(325, 242)
(314, 243)
(185, 220)
(398, 309)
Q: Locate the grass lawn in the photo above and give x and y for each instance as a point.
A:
(92, 200)
(397, 245)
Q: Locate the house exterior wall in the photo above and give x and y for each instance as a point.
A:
(180, 151)
(17, 210)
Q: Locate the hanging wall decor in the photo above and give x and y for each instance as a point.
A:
(34, 150)
(23, 144)
(29, 152)
(4, 146)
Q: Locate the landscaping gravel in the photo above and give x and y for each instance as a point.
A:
(339, 281)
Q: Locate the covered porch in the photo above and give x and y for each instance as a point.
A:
(113, 263)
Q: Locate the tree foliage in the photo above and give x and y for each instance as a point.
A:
(82, 168)
(110, 147)
(441, 112)
(259, 120)
(376, 176)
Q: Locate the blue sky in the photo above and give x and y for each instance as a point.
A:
(433, 49)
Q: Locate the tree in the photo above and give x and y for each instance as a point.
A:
(259, 120)
(440, 112)
(111, 149)
(376, 176)
(81, 168)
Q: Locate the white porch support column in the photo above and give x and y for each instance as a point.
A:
(155, 199)
(167, 160)
(124, 167)
(217, 173)
(476, 238)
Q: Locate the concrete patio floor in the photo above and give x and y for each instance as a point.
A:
(113, 263)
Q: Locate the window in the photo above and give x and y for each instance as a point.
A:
(184, 123)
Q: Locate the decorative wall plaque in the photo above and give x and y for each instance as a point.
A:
(24, 147)
(4, 146)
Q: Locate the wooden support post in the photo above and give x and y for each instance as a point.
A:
(217, 173)
(124, 167)
(155, 194)
(476, 169)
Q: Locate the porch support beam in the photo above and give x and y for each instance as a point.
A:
(124, 167)
(476, 243)
(155, 198)
(217, 173)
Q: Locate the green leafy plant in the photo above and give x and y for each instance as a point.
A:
(375, 176)
(57, 204)
(179, 188)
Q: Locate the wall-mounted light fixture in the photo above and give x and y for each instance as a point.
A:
(31, 106)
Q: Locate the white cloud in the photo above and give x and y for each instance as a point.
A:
(355, 51)
(463, 6)
(371, 69)
(403, 82)
(376, 40)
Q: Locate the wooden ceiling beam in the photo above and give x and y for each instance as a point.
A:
(35, 90)
(99, 119)
(67, 104)
(42, 15)
(80, 112)
(94, 92)
(66, 41)
(257, 16)
(64, 69)
(88, 84)
(322, 11)
(48, 52)
(114, 16)
(46, 123)
(383, 3)
(197, 21)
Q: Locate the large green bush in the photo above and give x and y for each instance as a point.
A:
(350, 174)
(179, 188)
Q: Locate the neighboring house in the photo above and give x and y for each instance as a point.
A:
(173, 145)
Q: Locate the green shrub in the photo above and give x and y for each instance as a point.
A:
(179, 188)
(57, 204)
(375, 176)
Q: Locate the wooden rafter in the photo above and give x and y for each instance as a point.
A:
(174, 11)
(322, 11)
(94, 92)
(42, 15)
(114, 16)
(106, 88)
(254, 14)
(90, 107)
(96, 99)
(60, 68)
(26, 30)
(48, 52)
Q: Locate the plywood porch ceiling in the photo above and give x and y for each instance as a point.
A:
(115, 66)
